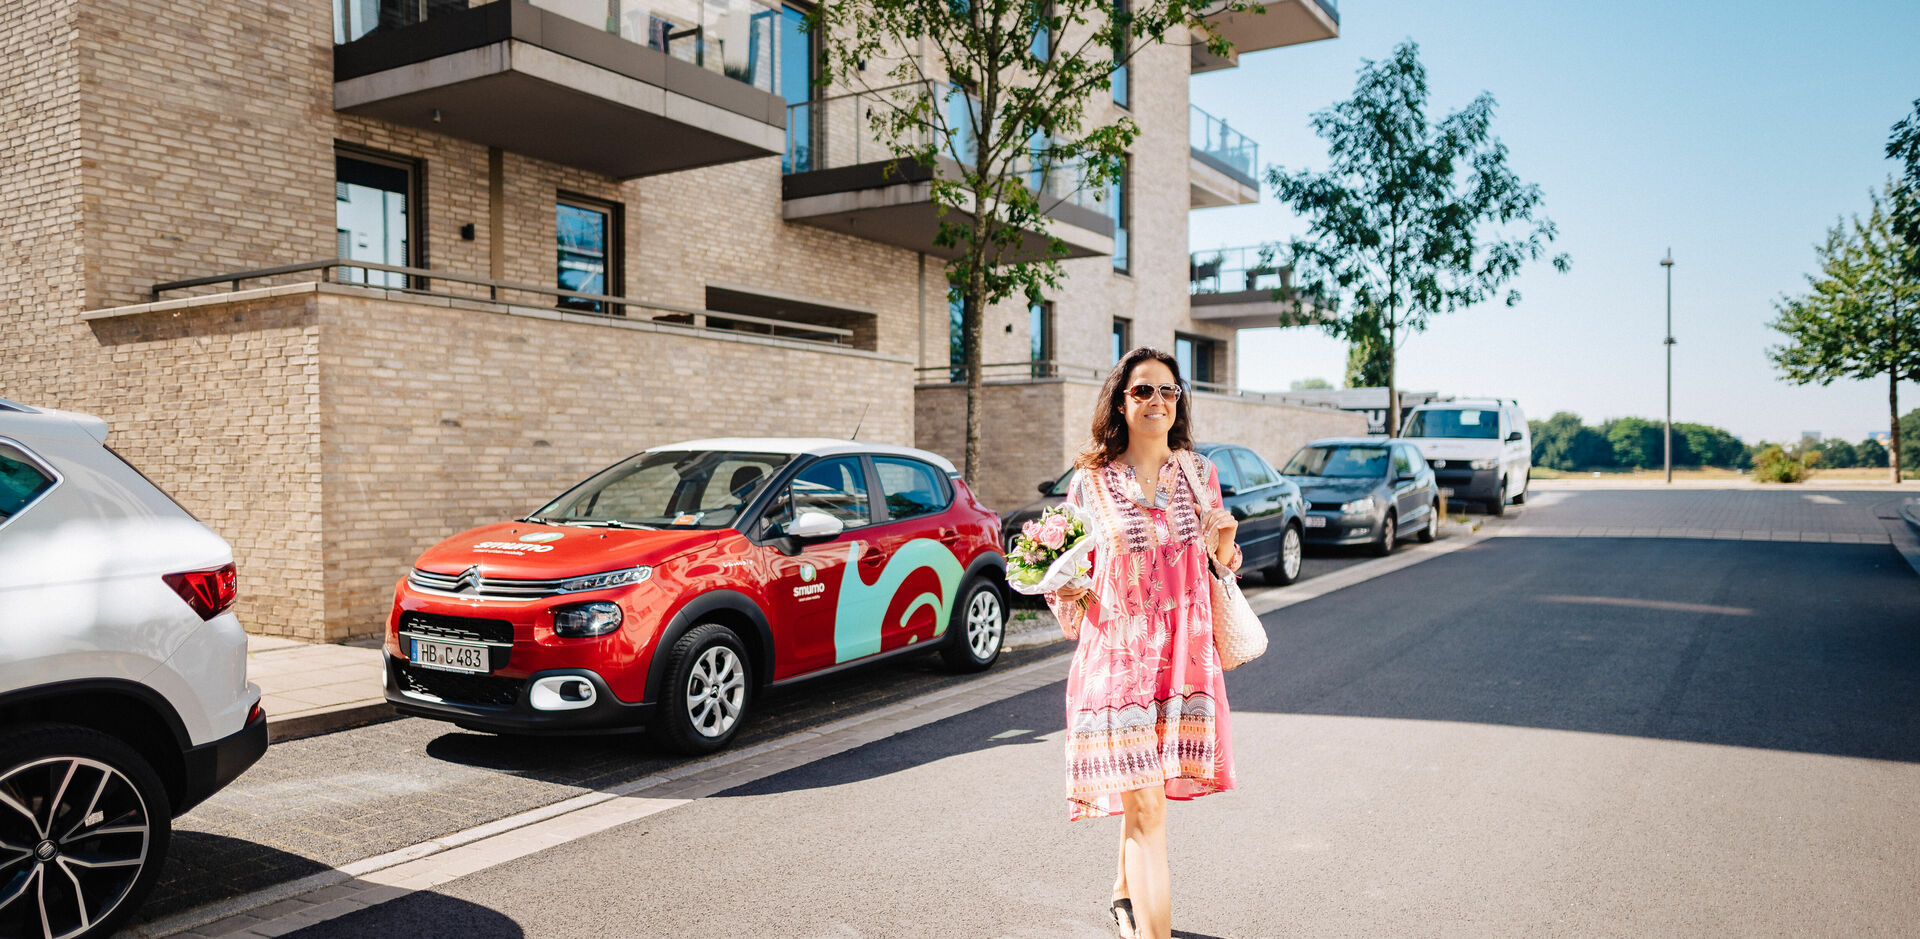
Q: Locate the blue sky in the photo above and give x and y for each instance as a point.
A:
(1737, 133)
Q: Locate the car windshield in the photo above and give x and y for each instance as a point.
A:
(1471, 423)
(1060, 485)
(1340, 461)
(667, 489)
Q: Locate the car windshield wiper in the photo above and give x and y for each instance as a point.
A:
(607, 523)
(535, 519)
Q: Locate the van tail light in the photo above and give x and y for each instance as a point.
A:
(209, 592)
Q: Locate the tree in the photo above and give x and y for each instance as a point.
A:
(1871, 453)
(1861, 317)
(1411, 219)
(1368, 364)
(1562, 442)
(1636, 441)
(1838, 454)
(1903, 144)
(995, 101)
(1311, 384)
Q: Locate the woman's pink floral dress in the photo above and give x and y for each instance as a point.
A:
(1146, 702)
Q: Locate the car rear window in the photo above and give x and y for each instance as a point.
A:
(21, 481)
(910, 487)
(1468, 423)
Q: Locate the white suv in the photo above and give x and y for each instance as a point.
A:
(124, 698)
(1480, 450)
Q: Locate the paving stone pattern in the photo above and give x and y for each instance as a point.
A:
(1783, 515)
(321, 802)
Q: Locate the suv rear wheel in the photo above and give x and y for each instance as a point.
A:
(84, 826)
(978, 629)
(709, 680)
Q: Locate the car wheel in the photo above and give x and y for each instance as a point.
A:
(1497, 506)
(84, 826)
(1432, 527)
(1520, 498)
(977, 630)
(1388, 537)
(1286, 569)
(708, 682)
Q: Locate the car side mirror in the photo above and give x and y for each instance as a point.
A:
(815, 525)
(1513, 437)
(1403, 477)
(1046, 487)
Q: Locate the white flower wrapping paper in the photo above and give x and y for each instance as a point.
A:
(1073, 568)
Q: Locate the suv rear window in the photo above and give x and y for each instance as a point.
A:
(910, 487)
(1469, 423)
(21, 481)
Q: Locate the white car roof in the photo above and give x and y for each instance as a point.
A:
(809, 446)
(23, 421)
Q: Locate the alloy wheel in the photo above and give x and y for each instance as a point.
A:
(716, 691)
(1290, 553)
(74, 836)
(984, 624)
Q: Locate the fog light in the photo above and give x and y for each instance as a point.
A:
(561, 693)
(586, 620)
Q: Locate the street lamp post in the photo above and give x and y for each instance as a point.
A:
(1667, 262)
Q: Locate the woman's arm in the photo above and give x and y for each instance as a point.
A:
(1220, 526)
(1070, 606)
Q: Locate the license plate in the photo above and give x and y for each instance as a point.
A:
(1446, 490)
(1315, 521)
(449, 656)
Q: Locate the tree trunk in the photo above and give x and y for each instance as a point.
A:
(1393, 381)
(1893, 419)
(970, 331)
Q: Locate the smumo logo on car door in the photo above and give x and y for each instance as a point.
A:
(860, 617)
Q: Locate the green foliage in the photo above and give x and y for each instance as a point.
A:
(1775, 465)
(1412, 218)
(963, 88)
(1561, 442)
(1369, 364)
(1910, 430)
(1838, 454)
(1636, 442)
(1705, 445)
(1871, 453)
(1311, 384)
(1903, 144)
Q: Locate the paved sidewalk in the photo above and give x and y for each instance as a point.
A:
(313, 688)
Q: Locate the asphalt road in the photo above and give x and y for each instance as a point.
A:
(1531, 736)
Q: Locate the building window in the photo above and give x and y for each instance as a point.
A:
(1200, 359)
(799, 68)
(956, 335)
(587, 241)
(373, 221)
(1042, 44)
(1119, 192)
(1122, 86)
(1122, 338)
(1040, 338)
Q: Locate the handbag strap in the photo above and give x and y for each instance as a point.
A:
(1186, 460)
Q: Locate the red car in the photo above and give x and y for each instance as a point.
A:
(671, 588)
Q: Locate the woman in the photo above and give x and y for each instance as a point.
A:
(1146, 706)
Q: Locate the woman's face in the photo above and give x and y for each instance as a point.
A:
(1153, 418)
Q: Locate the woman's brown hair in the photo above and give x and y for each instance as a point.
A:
(1109, 438)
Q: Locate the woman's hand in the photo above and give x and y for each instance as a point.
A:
(1218, 528)
(1071, 594)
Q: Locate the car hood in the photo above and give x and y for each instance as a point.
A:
(1457, 448)
(530, 551)
(1334, 489)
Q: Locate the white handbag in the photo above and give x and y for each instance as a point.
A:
(1238, 636)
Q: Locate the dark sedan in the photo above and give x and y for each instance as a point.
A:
(1365, 490)
(1268, 506)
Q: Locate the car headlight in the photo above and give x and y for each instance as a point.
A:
(1358, 507)
(1484, 464)
(586, 620)
(621, 578)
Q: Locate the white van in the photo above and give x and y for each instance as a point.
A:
(1480, 449)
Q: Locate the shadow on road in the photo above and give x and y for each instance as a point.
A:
(425, 915)
(202, 868)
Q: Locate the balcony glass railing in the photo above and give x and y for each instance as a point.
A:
(838, 131)
(1233, 270)
(735, 38)
(1210, 135)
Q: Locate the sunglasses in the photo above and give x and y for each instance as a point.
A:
(1147, 392)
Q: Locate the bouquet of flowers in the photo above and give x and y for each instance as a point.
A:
(1053, 551)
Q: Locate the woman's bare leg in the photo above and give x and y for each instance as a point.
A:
(1120, 882)
(1144, 861)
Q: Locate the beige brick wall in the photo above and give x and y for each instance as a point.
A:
(40, 261)
(1270, 429)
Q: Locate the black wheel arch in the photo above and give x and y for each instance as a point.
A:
(992, 566)
(135, 714)
(730, 608)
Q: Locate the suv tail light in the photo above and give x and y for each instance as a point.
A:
(209, 592)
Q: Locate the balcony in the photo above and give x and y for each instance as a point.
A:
(1286, 23)
(1225, 163)
(841, 177)
(581, 83)
(1244, 288)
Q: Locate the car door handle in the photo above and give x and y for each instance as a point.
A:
(872, 558)
(949, 535)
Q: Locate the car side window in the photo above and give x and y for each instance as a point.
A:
(21, 482)
(1403, 460)
(1254, 472)
(910, 487)
(836, 487)
(1229, 477)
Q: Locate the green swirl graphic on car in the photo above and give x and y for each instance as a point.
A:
(858, 619)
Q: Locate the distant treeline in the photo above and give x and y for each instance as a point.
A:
(1562, 442)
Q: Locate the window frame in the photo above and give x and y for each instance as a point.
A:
(1041, 315)
(1242, 453)
(616, 285)
(416, 196)
(45, 468)
(1222, 467)
(942, 487)
(756, 530)
(1122, 191)
(1121, 83)
(1123, 332)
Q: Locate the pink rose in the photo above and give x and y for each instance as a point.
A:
(1053, 534)
(1031, 529)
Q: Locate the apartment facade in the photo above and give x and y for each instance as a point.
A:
(346, 278)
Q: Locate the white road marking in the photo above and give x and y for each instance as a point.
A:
(1818, 499)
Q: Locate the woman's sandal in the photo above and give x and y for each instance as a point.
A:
(1122, 911)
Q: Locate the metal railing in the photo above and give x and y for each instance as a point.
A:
(417, 280)
(736, 38)
(1015, 372)
(1210, 136)
(1233, 270)
(840, 131)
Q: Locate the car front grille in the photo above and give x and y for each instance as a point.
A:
(470, 584)
(495, 634)
(457, 688)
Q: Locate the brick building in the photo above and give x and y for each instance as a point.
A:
(583, 227)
